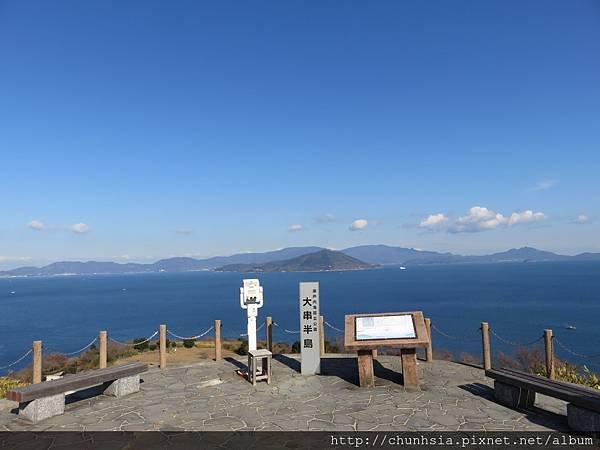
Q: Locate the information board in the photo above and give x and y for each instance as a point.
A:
(385, 327)
(309, 328)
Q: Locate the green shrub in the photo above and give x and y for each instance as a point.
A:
(152, 347)
(243, 348)
(6, 384)
(332, 347)
(296, 347)
(140, 344)
(173, 344)
(189, 343)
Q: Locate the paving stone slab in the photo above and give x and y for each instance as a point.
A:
(451, 397)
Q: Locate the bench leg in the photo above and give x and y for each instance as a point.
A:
(581, 419)
(42, 408)
(512, 396)
(123, 386)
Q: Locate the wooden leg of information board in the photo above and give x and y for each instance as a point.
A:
(409, 366)
(365, 368)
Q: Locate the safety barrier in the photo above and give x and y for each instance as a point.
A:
(483, 332)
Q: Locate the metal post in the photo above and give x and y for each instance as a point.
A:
(269, 326)
(37, 362)
(322, 335)
(217, 340)
(485, 340)
(429, 349)
(163, 346)
(103, 360)
(549, 354)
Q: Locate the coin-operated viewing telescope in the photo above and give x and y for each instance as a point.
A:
(251, 298)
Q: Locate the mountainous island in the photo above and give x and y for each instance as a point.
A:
(299, 259)
(320, 261)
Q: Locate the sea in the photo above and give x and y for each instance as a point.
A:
(518, 300)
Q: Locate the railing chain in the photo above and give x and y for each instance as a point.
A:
(514, 343)
(133, 344)
(192, 337)
(17, 360)
(465, 338)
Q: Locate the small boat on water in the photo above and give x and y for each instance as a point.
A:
(402, 268)
(12, 292)
(571, 327)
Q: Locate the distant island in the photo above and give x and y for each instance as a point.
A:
(287, 259)
(320, 261)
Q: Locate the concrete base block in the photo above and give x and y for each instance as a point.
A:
(582, 419)
(123, 386)
(512, 396)
(42, 408)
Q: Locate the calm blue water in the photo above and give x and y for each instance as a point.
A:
(519, 301)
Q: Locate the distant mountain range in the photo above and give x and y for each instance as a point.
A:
(367, 255)
(319, 261)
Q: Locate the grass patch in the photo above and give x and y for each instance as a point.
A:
(7, 383)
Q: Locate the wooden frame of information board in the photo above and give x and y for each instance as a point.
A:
(408, 347)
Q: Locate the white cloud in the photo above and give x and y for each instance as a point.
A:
(15, 258)
(35, 225)
(326, 218)
(583, 219)
(525, 217)
(295, 228)
(433, 221)
(544, 184)
(359, 224)
(80, 228)
(481, 219)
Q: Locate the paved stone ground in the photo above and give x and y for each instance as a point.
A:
(209, 396)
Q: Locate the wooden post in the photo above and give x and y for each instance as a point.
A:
(409, 367)
(163, 346)
(218, 340)
(485, 340)
(102, 350)
(37, 362)
(429, 349)
(269, 326)
(322, 335)
(366, 376)
(549, 354)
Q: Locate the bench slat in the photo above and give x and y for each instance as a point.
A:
(536, 379)
(75, 382)
(578, 395)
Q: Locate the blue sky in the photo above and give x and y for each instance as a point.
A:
(140, 130)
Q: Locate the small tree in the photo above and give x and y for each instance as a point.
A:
(189, 343)
(140, 345)
(243, 348)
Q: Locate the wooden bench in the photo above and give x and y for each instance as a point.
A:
(43, 400)
(517, 390)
